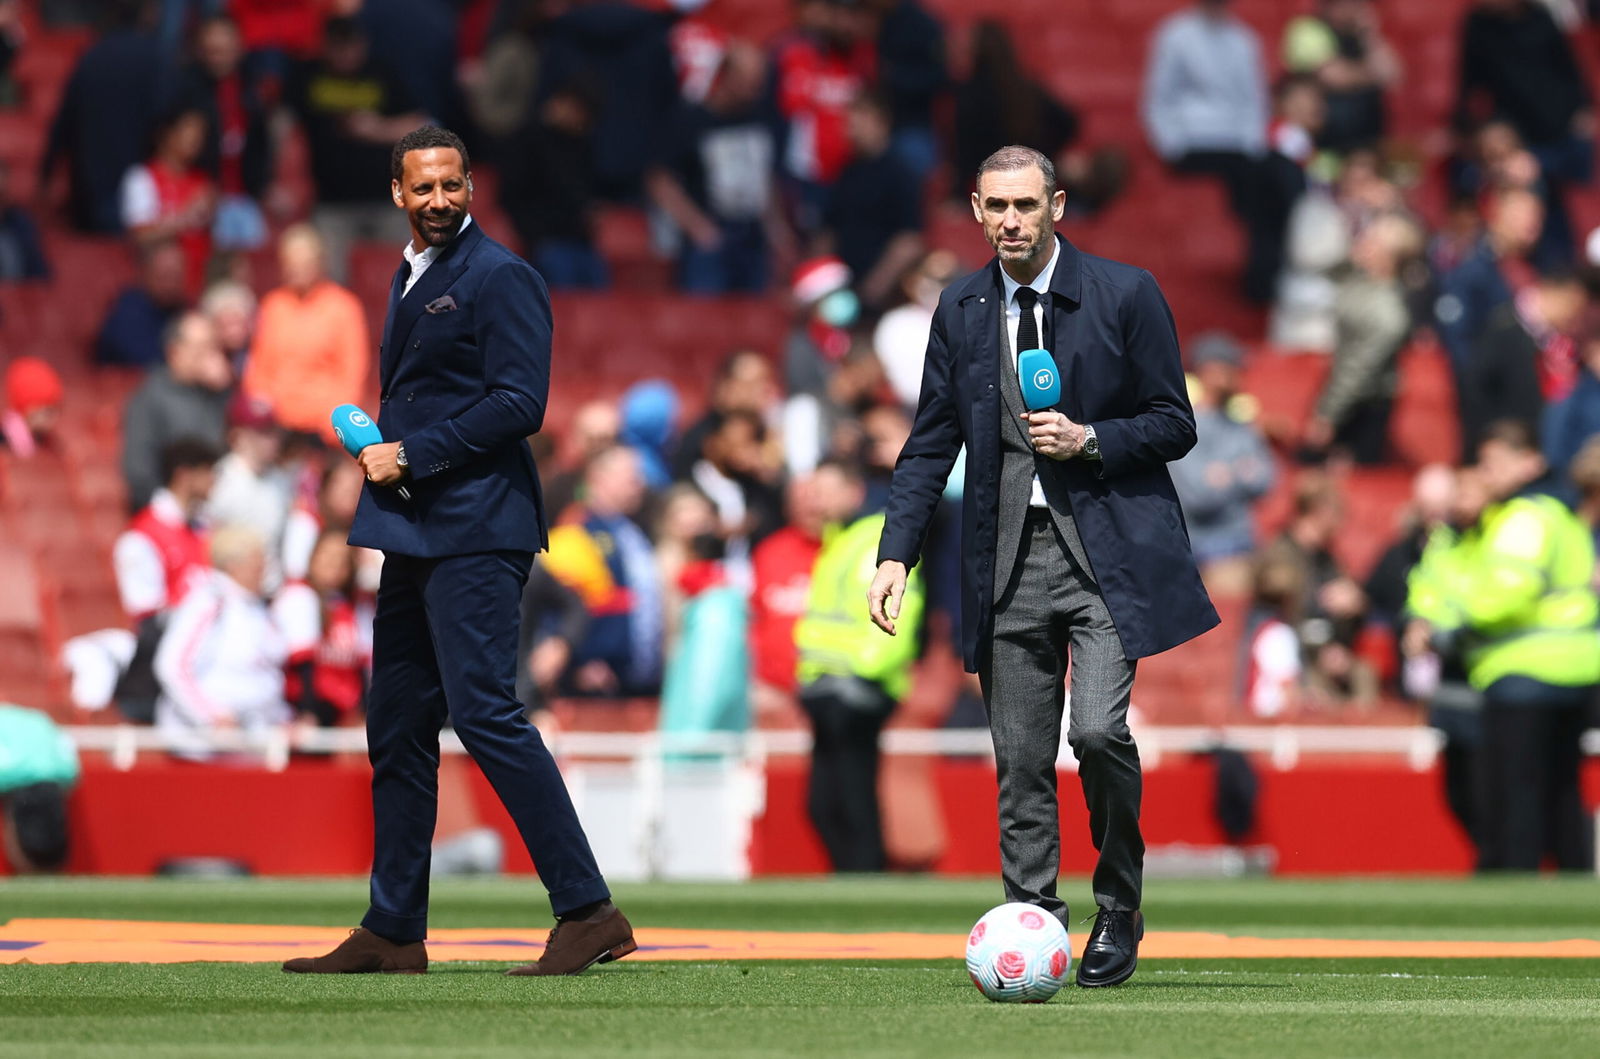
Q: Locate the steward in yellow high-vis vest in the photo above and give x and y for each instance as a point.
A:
(1522, 596)
(1434, 669)
(851, 679)
(1528, 625)
(836, 636)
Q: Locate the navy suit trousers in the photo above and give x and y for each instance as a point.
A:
(445, 647)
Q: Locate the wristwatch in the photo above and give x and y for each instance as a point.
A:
(1091, 444)
(400, 455)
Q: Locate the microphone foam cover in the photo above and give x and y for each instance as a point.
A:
(1041, 383)
(355, 429)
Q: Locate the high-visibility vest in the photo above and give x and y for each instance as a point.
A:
(835, 636)
(1525, 596)
(1436, 584)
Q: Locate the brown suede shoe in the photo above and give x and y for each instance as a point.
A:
(363, 952)
(576, 945)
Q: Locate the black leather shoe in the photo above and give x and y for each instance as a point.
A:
(1112, 951)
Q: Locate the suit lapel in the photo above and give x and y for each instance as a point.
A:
(1066, 294)
(386, 356)
(441, 275)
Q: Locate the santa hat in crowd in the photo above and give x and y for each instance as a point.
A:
(818, 278)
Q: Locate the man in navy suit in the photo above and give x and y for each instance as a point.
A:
(465, 370)
(1073, 542)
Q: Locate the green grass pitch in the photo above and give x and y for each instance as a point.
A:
(1189, 1008)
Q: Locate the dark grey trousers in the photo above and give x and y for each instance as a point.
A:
(1048, 613)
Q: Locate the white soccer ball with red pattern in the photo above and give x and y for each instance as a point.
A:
(1019, 954)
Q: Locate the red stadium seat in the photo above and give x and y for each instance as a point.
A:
(1425, 427)
(1375, 500)
(28, 674)
(100, 485)
(40, 481)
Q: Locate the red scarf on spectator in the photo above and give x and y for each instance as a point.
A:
(1558, 353)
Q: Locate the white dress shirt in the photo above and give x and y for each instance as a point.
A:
(420, 260)
(1041, 308)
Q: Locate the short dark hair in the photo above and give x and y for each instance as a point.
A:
(730, 363)
(719, 419)
(37, 815)
(425, 139)
(876, 101)
(1517, 434)
(186, 454)
(172, 330)
(1562, 277)
(1291, 81)
(849, 469)
(1009, 159)
(343, 29)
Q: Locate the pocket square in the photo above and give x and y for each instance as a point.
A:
(442, 304)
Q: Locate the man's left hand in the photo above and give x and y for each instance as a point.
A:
(380, 464)
(1053, 434)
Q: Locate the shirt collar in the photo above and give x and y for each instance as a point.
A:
(425, 257)
(165, 506)
(1041, 282)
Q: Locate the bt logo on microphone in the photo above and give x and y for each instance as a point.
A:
(1043, 378)
(359, 419)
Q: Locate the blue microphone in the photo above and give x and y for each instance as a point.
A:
(1041, 384)
(356, 430)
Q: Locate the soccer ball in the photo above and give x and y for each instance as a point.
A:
(1018, 954)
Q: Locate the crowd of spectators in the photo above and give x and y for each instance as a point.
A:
(800, 168)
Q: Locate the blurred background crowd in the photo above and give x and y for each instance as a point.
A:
(1375, 220)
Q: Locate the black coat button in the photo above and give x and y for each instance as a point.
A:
(417, 344)
(411, 397)
(384, 399)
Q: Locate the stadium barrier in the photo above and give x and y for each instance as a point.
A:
(1332, 800)
(1283, 746)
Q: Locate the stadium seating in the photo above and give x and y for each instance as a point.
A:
(59, 518)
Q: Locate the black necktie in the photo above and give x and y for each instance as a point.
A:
(1028, 326)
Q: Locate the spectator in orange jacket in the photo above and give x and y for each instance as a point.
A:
(310, 351)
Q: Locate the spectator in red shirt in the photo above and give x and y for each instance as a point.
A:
(238, 147)
(164, 542)
(156, 560)
(172, 197)
(830, 495)
(328, 626)
(821, 68)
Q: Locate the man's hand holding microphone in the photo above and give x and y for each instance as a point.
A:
(381, 460)
(1051, 433)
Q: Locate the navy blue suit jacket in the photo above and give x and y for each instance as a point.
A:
(465, 372)
(1116, 350)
